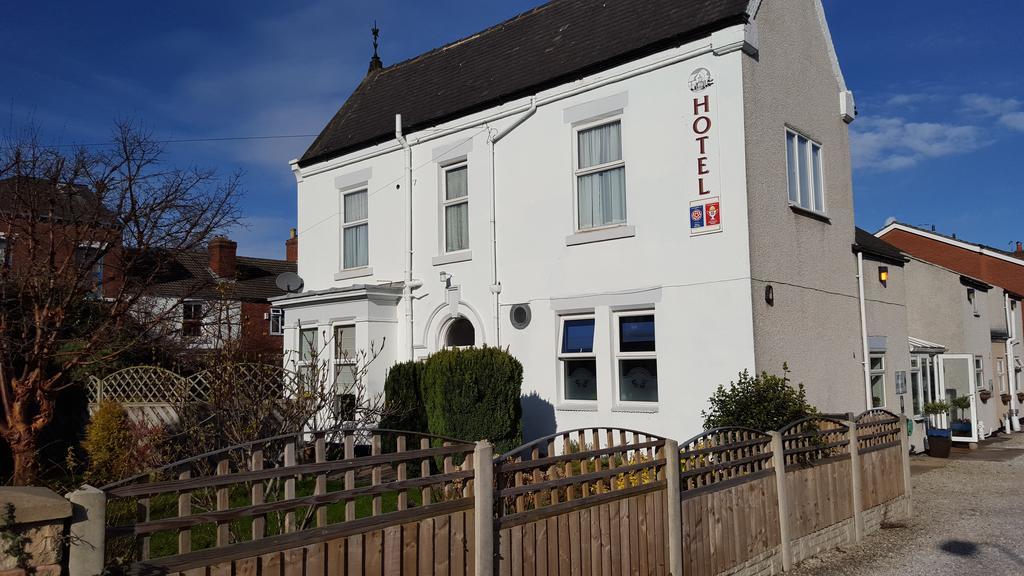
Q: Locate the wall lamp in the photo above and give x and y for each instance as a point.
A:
(446, 279)
(883, 275)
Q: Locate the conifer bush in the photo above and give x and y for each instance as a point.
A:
(403, 399)
(474, 394)
(110, 444)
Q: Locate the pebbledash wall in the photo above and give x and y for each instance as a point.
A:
(695, 281)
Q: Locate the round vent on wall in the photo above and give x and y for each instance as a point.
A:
(520, 315)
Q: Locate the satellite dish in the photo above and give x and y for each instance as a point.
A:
(289, 282)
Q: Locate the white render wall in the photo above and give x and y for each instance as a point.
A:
(698, 287)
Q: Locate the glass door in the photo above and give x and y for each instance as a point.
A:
(956, 382)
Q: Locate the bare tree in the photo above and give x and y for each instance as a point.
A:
(84, 232)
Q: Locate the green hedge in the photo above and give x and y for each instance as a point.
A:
(474, 394)
(403, 400)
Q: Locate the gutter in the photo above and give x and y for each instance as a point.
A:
(495, 282)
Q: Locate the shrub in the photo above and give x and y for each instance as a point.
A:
(117, 447)
(765, 402)
(109, 443)
(474, 394)
(403, 400)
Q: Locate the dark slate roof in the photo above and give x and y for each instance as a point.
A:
(558, 42)
(872, 245)
(189, 275)
(24, 196)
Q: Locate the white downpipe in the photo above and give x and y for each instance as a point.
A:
(864, 329)
(669, 61)
(407, 289)
(1011, 365)
(495, 282)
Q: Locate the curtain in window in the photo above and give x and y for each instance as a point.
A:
(600, 145)
(356, 246)
(456, 222)
(602, 198)
(456, 183)
(355, 207)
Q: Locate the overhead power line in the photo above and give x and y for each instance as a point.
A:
(193, 140)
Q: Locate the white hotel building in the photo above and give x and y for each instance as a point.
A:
(638, 199)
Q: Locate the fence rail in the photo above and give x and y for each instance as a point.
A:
(586, 501)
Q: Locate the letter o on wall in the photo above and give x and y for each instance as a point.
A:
(520, 315)
(702, 125)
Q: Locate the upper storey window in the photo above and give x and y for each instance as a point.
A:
(600, 176)
(803, 162)
(355, 232)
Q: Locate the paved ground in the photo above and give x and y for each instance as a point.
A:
(968, 519)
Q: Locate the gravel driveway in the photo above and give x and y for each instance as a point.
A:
(968, 519)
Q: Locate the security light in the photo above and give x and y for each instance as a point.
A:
(883, 274)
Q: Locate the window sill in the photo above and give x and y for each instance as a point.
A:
(576, 406)
(600, 235)
(461, 256)
(810, 213)
(636, 408)
(354, 273)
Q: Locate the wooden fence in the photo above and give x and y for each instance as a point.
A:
(591, 501)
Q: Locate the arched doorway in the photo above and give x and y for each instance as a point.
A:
(460, 333)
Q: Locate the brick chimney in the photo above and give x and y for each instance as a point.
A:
(222, 257)
(291, 247)
(1019, 252)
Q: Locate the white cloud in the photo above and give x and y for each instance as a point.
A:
(894, 143)
(1007, 111)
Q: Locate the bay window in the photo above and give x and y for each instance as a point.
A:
(600, 176)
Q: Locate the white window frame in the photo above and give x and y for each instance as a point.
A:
(186, 322)
(345, 225)
(305, 364)
(794, 174)
(577, 172)
(445, 203)
(979, 372)
(618, 355)
(276, 315)
(918, 387)
(1001, 374)
(878, 372)
(339, 360)
(563, 357)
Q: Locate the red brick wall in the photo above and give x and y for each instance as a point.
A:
(256, 330)
(967, 262)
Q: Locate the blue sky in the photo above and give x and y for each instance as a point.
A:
(939, 88)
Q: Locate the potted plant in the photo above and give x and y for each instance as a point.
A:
(961, 426)
(985, 395)
(940, 440)
(1005, 397)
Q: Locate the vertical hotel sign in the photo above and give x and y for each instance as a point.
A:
(706, 209)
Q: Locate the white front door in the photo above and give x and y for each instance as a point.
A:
(956, 380)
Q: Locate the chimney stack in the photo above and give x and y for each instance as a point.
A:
(222, 257)
(291, 247)
(1020, 249)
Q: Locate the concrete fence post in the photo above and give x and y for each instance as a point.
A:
(779, 463)
(674, 503)
(483, 507)
(856, 481)
(905, 447)
(88, 531)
